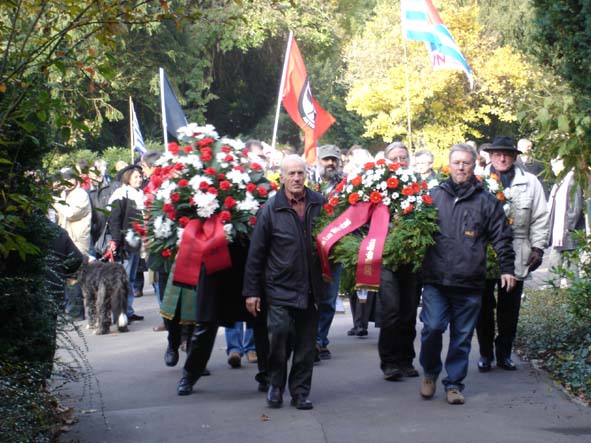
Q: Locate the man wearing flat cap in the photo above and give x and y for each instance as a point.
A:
(529, 223)
(323, 178)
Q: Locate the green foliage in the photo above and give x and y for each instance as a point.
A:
(576, 269)
(27, 411)
(549, 333)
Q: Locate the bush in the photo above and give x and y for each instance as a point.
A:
(551, 333)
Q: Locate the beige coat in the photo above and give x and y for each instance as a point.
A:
(529, 215)
(74, 216)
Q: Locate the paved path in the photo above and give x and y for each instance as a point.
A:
(352, 402)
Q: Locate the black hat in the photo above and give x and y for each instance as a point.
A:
(502, 143)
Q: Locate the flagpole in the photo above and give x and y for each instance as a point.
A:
(281, 86)
(131, 140)
(163, 107)
(408, 118)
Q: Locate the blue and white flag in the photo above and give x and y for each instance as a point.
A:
(137, 141)
(421, 21)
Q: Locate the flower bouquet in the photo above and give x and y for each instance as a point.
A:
(203, 194)
(381, 215)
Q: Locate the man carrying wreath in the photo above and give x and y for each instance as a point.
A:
(454, 271)
(283, 269)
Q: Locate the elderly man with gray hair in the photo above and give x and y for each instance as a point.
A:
(454, 271)
(283, 271)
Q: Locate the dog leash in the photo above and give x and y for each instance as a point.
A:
(108, 256)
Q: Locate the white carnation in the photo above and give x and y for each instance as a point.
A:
(386, 201)
(249, 204)
(194, 131)
(493, 185)
(206, 204)
(229, 231)
(162, 227)
(238, 178)
(132, 238)
(236, 144)
(165, 190)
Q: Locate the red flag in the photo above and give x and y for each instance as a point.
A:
(303, 109)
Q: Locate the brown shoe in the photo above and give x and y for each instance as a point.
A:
(234, 360)
(251, 356)
(455, 397)
(428, 386)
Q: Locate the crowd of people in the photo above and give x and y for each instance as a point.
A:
(276, 307)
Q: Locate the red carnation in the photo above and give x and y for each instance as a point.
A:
(183, 183)
(184, 221)
(205, 142)
(251, 187)
(427, 199)
(408, 209)
(203, 186)
(381, 162)
(256, 167)
(239, 168)
(175, 197)
(333, 201)
(252, 220)
(262, 191)
(229, 158)
(166, 253)
(178, 166)
(188, 149)
(226, 149)
(225, 216)
(392, 182)
(221, 176)
(369, 165)
(424, 185)
(339, 188)
(356, 181)
(212, 190)
(210, 171)
(167, 207)
(407, 191)
(229, 202)
(274, 186)
(173, 148)
(394, 166)
(171, 215)
(328, 209)
(353, 198)
(225, 185)
(206, 157)
(375, 197)
(156, 181)
(416, 188)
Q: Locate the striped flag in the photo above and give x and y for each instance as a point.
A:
(137, 141)
(421, 21)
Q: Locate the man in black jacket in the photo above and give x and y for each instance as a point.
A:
(283, 268)
(454, 271)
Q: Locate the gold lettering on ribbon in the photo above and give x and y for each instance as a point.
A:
(334, 231)
(369, 256)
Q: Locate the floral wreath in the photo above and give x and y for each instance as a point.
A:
(203, 194)
(380, 215)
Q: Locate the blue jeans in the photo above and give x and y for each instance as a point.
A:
(239, 339)
(327, 306)
(458, 308)
(131, 264)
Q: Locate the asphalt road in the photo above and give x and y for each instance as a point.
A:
(132, 398)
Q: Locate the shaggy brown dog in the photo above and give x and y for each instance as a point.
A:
(105, 287)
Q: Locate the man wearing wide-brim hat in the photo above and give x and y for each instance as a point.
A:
(529, 221)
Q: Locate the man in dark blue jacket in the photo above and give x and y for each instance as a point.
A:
(454, 271)
(283, 269)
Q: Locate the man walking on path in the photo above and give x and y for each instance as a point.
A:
(454, 271)
(529, 216)
(283, 268)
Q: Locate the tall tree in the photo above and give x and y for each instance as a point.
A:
(443, 108)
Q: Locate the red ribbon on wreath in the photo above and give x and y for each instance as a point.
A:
(370, 252)
(202, 242)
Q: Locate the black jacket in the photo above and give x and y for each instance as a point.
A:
(99, 199)
(467, 223)
(283, 266)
